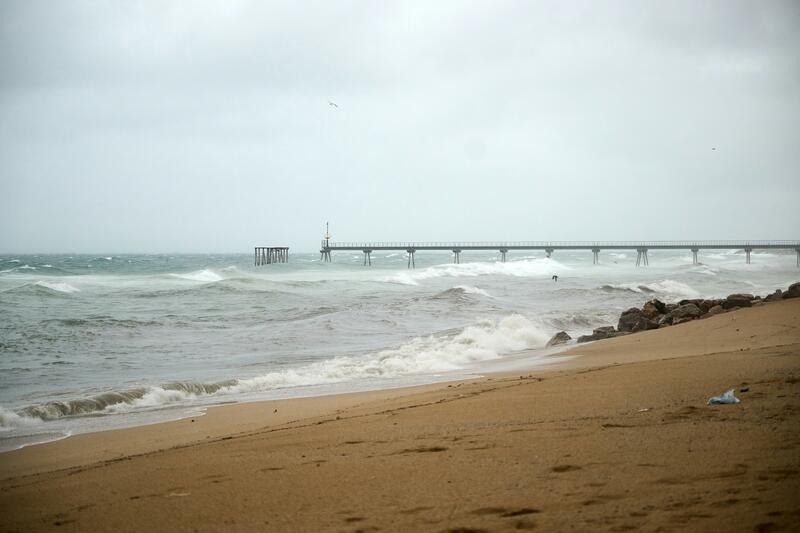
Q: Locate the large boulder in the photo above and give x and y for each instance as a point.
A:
(775, 296)
(737, 300)
(717, 309)
(558, 339)
(605, 332)
(654, 309)
(793, 291)
(705, 305)
(632, 320)
(685, 313)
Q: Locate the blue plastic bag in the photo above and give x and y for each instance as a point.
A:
(727, 397)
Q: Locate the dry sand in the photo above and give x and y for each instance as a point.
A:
(617, 438)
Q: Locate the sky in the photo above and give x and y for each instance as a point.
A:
(195, 126)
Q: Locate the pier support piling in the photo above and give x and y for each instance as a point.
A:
(457, 256)
(694, 256)
(367, 257)
(797, 251)
(595, 256)
(641, 257)
(747, 254)
(548, 252)
(503, 253)
(411, 263)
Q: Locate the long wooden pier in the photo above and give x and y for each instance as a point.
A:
(266, 255)
(549, 247)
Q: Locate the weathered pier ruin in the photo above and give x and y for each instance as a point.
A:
(549, 247)
(266, 255)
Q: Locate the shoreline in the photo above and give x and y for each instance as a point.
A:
(457, 449)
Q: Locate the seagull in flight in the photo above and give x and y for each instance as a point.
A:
(332, 104)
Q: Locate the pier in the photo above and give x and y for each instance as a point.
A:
(266, 255)
(550, 247)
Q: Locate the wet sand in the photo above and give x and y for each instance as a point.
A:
(620, 437)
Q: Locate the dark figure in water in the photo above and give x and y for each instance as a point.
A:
(555, 278)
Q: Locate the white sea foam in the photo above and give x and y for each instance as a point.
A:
(206, 276)
(58, 287)
(9, 419)
(484, 341)
(27, 267)
(667, 287)
(153, 397)
(469, 289)
(527, 268)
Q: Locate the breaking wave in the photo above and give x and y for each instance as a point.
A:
(667, 287)
(486, 340)
(44, 288)
(460, 292)
(205, 276)
(527, 268)
(58, 287)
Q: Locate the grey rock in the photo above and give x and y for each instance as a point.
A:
(558, 339)
(689, 311)
(605, 332)
(654, 309)
(792, 292)
(717, 309)
(775, 296)
(737, 300)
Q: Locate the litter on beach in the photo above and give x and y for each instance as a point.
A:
(726, 397)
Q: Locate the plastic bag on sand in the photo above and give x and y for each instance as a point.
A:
(727, 397)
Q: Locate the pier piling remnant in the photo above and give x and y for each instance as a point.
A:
(266, 255)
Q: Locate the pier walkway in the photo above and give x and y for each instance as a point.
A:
(641, 247)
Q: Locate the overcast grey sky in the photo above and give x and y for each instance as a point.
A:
(205, 126)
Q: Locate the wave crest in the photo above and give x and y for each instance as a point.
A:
(528, 268)
(667, 287)
(486, 340)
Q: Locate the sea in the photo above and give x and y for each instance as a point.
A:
(96, 342)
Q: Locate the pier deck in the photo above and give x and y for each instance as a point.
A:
(641, 247)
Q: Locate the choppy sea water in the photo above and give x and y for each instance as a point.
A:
(96, 342)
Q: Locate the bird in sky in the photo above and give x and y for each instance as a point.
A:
(332, 104)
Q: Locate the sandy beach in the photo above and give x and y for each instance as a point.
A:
(618, 437)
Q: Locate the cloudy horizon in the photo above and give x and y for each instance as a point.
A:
(201, 126)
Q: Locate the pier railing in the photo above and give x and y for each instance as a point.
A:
(556, 245)
(641, 247)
